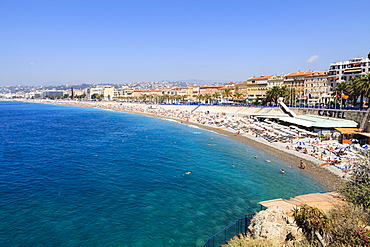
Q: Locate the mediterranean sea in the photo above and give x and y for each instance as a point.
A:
(72, 176)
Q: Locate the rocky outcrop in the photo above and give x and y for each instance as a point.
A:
(274, 225)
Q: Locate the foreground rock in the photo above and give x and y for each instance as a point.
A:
(274, 225)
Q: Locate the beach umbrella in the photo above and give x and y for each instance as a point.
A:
(301, 143)
(337, 158)
(317, 139)
(353, 140)
(366, 146)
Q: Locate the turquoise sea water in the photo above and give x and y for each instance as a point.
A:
(73, 176)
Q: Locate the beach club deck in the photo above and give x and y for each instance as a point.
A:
(322, 201)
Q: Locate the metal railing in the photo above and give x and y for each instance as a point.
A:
(235, 228)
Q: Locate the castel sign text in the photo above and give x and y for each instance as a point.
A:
(336, 114)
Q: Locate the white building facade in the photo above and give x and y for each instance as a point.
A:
(346, 70)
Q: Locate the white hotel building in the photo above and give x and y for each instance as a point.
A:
(344, 71)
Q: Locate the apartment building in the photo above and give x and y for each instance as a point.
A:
(208, 89)
(275, 80)
(138, 93)
(52, 93)
(123, 92)
(241, 88)
(256, 87)
(346, 70)
(317, 88)
(181, 91)
(295, 81)
(106, 91)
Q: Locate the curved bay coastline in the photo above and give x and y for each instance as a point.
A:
(329, 178)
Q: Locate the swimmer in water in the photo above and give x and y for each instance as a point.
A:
(302, 165)
(188, 172)
(256, 156)
(268, 161)
(232, 165)
(282, 171)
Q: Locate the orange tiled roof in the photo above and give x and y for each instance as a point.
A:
(300, 73)
(259, 78)
(226, 87)
(316, 73)
(209, 86)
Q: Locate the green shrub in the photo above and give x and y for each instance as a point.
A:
(348, 225)
(357, 189)
(314, 223)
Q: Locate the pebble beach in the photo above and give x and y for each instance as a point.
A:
(328, 176)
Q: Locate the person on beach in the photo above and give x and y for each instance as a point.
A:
(302, 165)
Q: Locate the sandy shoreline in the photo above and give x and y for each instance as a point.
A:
(329, 178)
(326, 178)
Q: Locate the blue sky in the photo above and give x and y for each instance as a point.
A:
(124, 41)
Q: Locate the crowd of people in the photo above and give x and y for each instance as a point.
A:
(291, 139)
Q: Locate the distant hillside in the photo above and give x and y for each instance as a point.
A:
(205, 82)
(148, 85)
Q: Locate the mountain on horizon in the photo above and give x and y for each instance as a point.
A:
(205, 82)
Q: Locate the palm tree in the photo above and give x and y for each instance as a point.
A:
(166, 97)
(183, 97)
(364, 86)
(208, 97)
(171, 98)
(216, 95)
(200, 97)
(339, 88)
(284, 91)
(289, 94)
(227, 93)
(273, 94)
(144, 97)
(354, 89)
(150, 97)
(177, 98)
(237, 95)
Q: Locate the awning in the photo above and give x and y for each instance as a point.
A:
(327, 122)
(348, 130)
(352, 71)
(364, 134)
(268, 115)
(297, 121)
